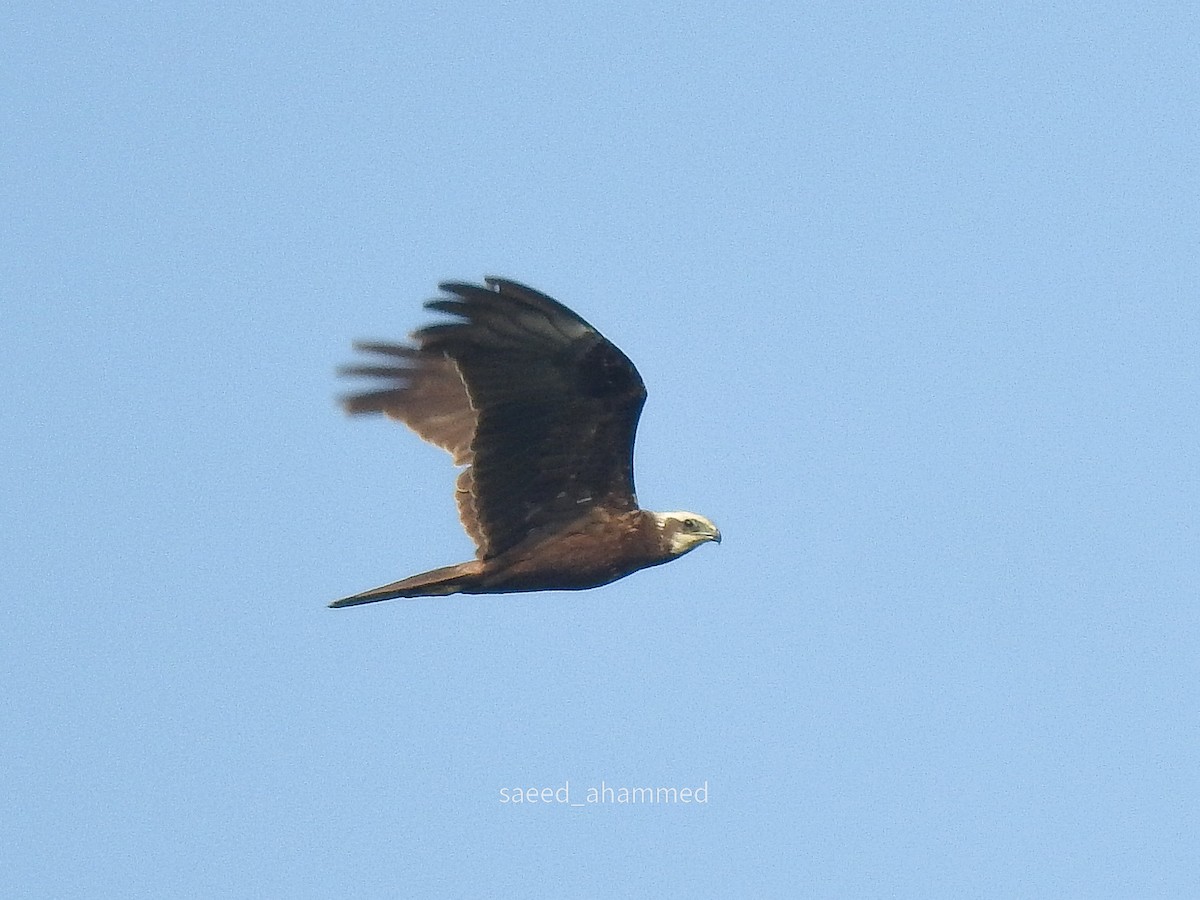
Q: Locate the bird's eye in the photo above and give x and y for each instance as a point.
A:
(689, 524)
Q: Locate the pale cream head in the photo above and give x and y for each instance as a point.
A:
(684, 531)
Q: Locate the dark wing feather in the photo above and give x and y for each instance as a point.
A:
(538, 404)
(557, 407)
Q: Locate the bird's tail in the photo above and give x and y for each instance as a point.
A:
(436, 583)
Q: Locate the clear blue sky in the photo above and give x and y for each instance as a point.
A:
(914, 290)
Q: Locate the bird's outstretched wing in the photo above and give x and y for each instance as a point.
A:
(541, 407)
(424, 391)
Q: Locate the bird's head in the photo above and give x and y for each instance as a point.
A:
(684, 531)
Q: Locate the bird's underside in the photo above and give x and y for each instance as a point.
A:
(541, 410)
(521, 569)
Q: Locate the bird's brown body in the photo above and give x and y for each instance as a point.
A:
(542, 411)
(588, 543)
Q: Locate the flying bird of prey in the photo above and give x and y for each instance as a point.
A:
(541, 410)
